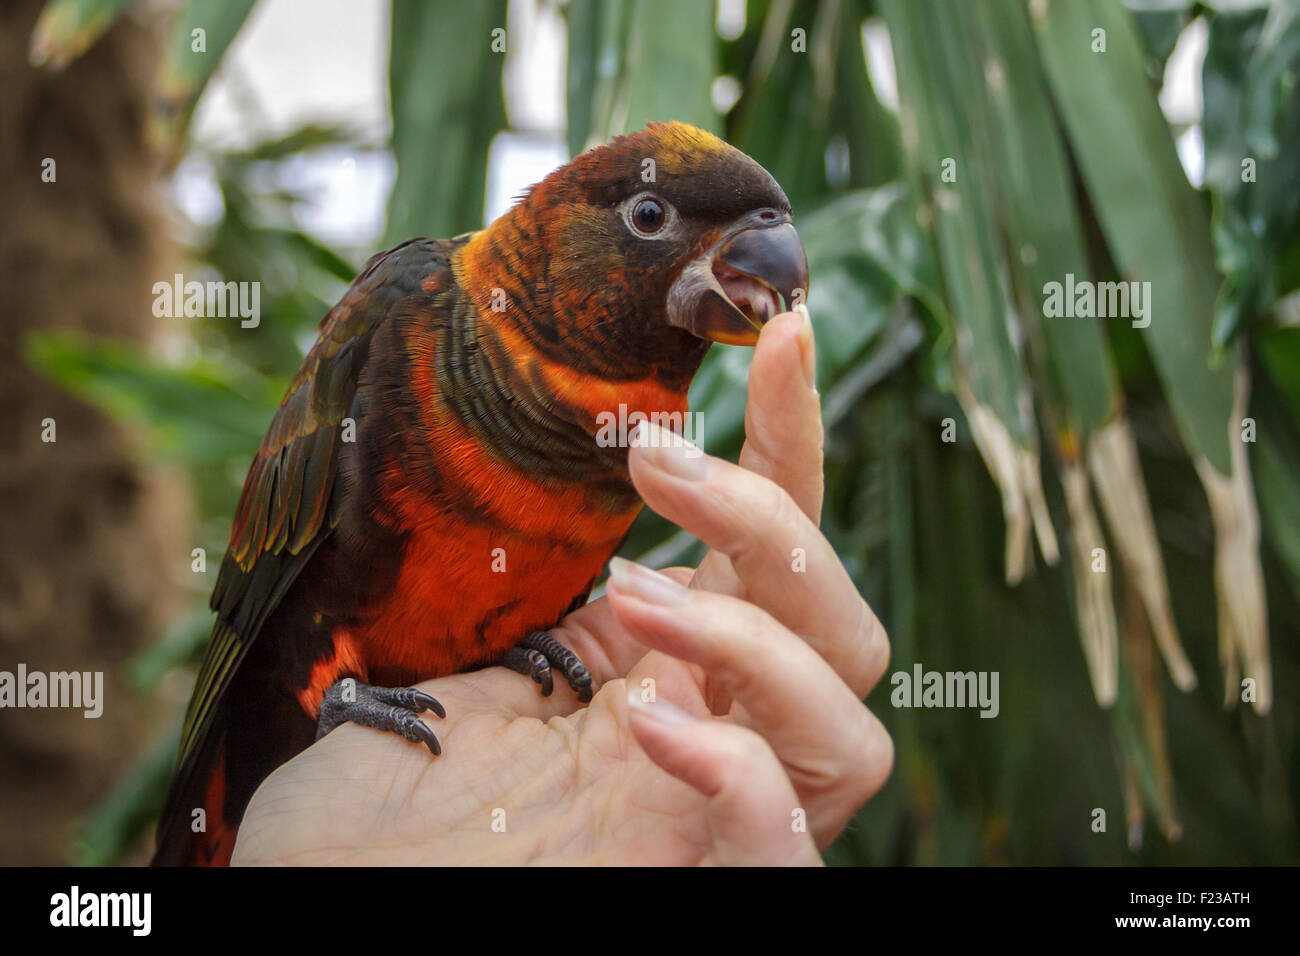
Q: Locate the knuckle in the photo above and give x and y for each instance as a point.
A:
(873, 650)
(749, 752)
(750, 498)
(874, 758)
(784, 509)
(736, 675)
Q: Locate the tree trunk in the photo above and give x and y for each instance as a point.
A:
(95, 541)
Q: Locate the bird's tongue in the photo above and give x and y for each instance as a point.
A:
(759, 302)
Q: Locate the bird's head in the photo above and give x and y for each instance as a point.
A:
(654, 241)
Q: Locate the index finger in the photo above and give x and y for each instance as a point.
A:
(783, 428)
(783, 421)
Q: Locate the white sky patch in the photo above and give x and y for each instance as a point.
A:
(516, 161)
(536, 50)
(1191, 153)
(535, 104)
(195, 192)
(290, 65)
(286, 70)
(880, 61)
(731, 18)
(349, 193)
(1180, 97)
(725, 92)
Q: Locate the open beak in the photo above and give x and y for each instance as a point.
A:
(727, 294)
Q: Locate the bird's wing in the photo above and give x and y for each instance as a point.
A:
(290, 500)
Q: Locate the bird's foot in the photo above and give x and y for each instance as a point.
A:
(537, 653)
(385, 708)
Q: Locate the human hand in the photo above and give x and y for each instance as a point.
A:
(728, 711)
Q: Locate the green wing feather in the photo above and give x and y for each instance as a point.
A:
(289, 503)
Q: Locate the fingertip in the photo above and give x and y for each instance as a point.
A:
(676, 741)
(750, 798)
(780, 329)
(807, 348)
(654, 710)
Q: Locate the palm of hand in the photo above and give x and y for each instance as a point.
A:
(511, 786)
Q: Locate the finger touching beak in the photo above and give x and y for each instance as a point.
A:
(727, 294)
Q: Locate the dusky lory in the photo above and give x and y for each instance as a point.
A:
(431, 495)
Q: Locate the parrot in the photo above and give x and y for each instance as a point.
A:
(431, 495)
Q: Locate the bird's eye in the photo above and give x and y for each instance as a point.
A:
(648, 216)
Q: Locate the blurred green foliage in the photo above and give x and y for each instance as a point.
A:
(926, 300)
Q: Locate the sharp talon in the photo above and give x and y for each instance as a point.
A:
(384, 708)
(582, 685)
(580, 680)
(538, 654)
(422, 732)
(429, 703)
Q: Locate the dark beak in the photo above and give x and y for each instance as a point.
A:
(728, 294)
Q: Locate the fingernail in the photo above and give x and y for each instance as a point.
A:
(664, 711)
(807, 347)
(640, 582)
(670, 452)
